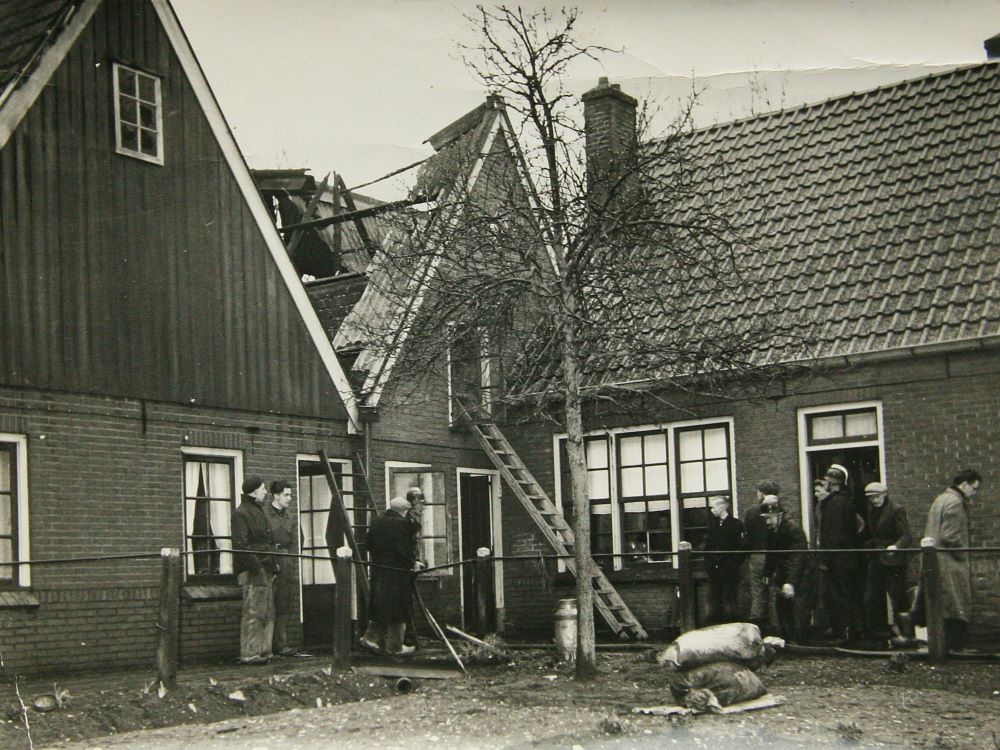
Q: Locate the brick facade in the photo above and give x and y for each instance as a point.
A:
(106, 478)
(939, 416)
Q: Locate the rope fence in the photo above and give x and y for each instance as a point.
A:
(680, 563)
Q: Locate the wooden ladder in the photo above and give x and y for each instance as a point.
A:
(554, 527)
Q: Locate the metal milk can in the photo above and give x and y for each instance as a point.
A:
(565, 635)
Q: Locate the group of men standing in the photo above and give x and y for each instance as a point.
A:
(263, 526)
(852, 587)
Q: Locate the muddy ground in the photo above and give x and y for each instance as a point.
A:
(532, 703)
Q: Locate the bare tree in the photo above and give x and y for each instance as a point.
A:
(614, 280)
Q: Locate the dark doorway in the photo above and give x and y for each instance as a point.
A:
(476, 491)
(862, 465)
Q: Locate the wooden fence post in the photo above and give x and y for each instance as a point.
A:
(931, 582)
(343, 570)
(685, 587)
(169, 616)
(484, 583)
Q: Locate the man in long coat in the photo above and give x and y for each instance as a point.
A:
(948, 524)
(842, 584)
(390, 544)
(255, 569)
(725, 534)
(887, 529)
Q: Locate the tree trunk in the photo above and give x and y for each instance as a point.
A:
(586, 651)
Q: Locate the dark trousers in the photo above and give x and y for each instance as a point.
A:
(723, 586)
(843, 592)
(284, 582)
(883, 580)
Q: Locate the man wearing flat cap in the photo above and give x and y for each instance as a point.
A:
(255, 570)
(842, 583)
(887, 529)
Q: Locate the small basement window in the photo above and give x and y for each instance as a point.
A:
(138, 114)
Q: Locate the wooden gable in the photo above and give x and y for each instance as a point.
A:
(127, 278)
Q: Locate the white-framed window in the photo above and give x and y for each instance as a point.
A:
(433, 537)
(649, 485)
(315, 499)
(848, 434)
(212, 477)
(14, 546)
(470, 375)
(138, 114)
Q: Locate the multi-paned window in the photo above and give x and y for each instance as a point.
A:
(138, 114)
(644, 495)
(704, 470)
(210, 481)
(433, 516)
(317, 534)
(8, 511)
(649, 487)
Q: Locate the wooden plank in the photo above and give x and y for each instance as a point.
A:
(419, 673)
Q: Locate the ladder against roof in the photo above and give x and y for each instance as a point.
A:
(553, 526)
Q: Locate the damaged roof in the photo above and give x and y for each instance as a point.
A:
(27, 28)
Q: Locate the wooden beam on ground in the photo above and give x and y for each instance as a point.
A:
(482, 644)
(420, 673)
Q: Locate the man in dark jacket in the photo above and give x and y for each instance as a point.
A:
(887, 529)
(791, 575)
(390, 544)
(755, 541)
(725, 534)
(842, 584)
(283, 533)
(255, 570)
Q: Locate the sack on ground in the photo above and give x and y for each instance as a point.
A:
(733, 641)
(730, 683)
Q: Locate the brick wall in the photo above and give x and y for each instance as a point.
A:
(941, 414)
(105, 478)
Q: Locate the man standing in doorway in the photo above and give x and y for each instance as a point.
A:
(283, 532)
(948, 524)
(390, 544)
(725, 534)
(255, 570)
(838, 530)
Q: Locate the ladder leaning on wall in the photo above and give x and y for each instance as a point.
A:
(553, 526)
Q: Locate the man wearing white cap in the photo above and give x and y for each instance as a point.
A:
(887, 529)
(842, 583)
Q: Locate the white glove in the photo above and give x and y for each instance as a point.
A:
(892, 548)
(788, 591)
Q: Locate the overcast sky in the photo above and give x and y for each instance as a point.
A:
(357, 86)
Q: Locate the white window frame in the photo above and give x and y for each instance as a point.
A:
(805, 481)
(496, 533)
(23, 577)
(346, 469)
(427, 468)
(237, 457)
(669, 429)
(116, 94)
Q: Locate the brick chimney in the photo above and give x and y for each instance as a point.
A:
(992, 47)
(609, 125)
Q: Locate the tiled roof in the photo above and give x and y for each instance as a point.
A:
(26, 28)
(876, 215)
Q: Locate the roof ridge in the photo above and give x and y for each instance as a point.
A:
(960, 69)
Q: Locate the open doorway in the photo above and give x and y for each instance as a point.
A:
(478, 509)
(845, 434)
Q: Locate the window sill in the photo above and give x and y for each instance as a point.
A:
(212, 593)
(17, 600)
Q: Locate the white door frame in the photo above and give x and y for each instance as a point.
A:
(496, 536)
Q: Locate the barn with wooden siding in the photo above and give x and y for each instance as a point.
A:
(157, 344)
